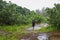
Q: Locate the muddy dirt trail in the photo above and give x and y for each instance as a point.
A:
(40, 36)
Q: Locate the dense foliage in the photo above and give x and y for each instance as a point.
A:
(13, 14)
(54, 15)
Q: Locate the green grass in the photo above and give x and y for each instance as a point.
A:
(47, 29)
(16, 31)
(14, 28)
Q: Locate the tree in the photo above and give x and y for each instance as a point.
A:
(11, 14)
(54, 15)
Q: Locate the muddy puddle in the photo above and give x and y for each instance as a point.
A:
(41, 36)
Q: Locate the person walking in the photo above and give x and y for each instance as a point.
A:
(33, 24)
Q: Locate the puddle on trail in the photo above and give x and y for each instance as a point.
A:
(41, 36)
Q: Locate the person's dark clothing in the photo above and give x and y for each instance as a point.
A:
(33, 23)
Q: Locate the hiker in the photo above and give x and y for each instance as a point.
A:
(33, 24)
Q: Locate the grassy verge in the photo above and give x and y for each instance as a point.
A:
(16, 31)
(47, 29)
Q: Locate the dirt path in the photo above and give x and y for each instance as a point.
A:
(55, 35)
(41, 36)
(35, 36)
(37, 27)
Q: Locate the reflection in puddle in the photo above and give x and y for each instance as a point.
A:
(43, 36)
